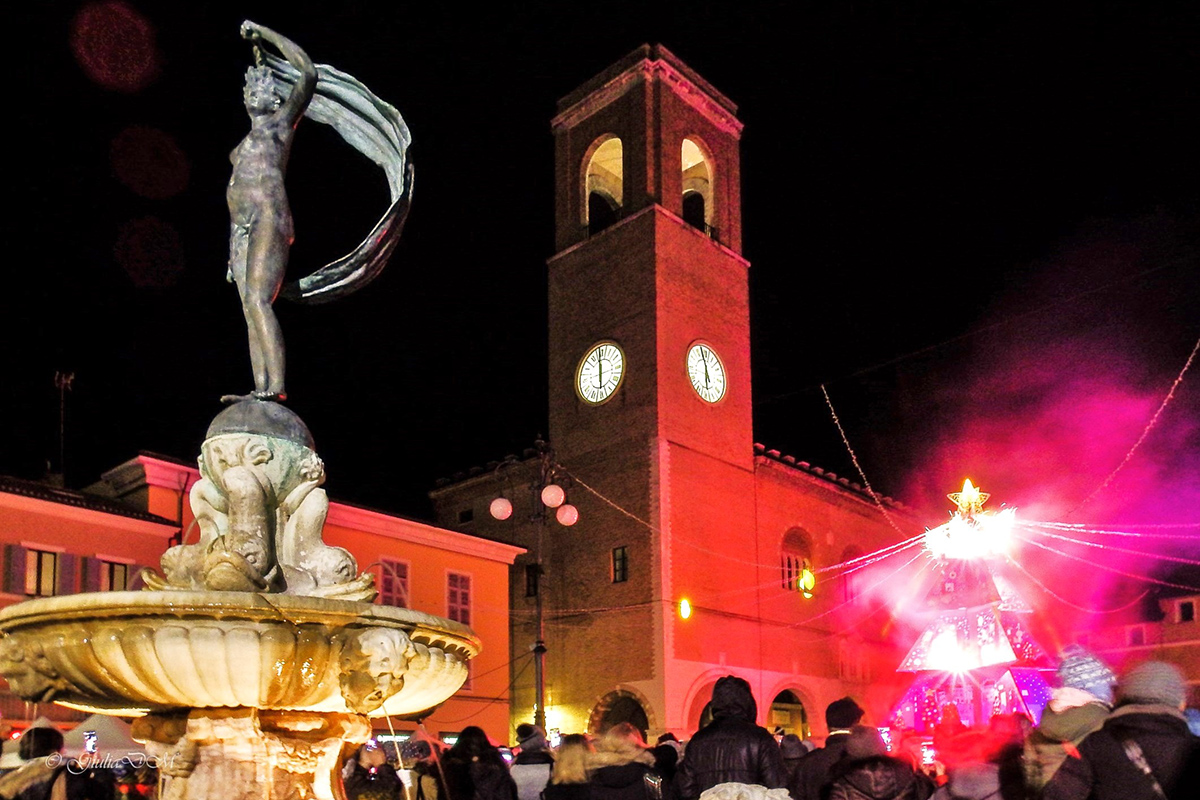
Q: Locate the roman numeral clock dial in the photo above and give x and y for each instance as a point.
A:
(706, 372)
(600, 373)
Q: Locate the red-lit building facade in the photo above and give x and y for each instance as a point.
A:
(58, 541)
(650, 420)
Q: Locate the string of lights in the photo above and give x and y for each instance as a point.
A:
(857, 466)
(870, 588)
(1083, 528)
(882, 606)
(1065, 601)
(1115, 549)
(871, 558)
(1145, 578)
(1145, 432)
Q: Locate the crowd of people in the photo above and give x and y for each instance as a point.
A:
(1098, 739)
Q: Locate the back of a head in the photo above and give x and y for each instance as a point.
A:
(570, 760)
(843, 714)
(39, 743)
(530, 737)
(622, 736)
(472, 743)
(791, 746)
(865, 742)
(1153, 683)
(732, 697)
(1081, 670)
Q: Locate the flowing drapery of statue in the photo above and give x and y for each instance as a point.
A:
(260, 219)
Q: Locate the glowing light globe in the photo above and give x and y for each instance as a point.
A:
(553, 496)
(567, 515)
(500, 508)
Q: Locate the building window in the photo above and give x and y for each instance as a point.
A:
(41, 573)
(393, 582)
(458, 597)
(466, 515)
(1135, 636)
(795, 561)
(533, 573)
(1187, 611)
(620, 564)
(114, 577)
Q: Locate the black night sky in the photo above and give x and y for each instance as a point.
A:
(978, 224)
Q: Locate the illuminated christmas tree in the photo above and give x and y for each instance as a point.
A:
(975, 652)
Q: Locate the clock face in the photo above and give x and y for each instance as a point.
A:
(600, 373)
(706, 373)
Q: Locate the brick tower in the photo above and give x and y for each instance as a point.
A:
(650, 418)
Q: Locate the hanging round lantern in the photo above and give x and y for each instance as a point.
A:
(501, 508)
(553, 496)
(567, 514)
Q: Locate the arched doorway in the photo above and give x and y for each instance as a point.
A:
(788, 714)
(617, 707)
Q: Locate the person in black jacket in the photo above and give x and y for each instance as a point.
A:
(869, 773)
(730, 749)
(475, 770)
(1144, 751)
(815, 770)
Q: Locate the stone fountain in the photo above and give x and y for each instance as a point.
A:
(256, 657)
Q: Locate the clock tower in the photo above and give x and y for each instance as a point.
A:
(649, 264)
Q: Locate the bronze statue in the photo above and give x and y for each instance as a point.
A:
(260, 220)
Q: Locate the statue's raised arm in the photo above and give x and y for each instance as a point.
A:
(298, 99)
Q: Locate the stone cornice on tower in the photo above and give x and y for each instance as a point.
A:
(648, 63)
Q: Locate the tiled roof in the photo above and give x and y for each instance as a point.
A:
(68, 497)
(832, 477)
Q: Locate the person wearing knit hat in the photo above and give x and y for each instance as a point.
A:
(1144, 751)
(814, 773)
(1081, 670)
(532, 767)
(1076, 708)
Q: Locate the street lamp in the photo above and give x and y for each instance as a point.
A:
(548, 490)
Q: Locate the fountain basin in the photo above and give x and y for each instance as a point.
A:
(132, 653)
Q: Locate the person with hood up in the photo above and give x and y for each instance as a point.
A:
(474, 769)
(815, 771)
(730, 749)
(1144, 751)
(867, 772)
(1077, 708)
(622, 768)
(534, 762)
